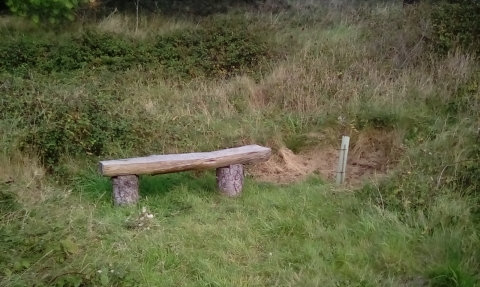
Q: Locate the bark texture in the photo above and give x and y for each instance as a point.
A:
(230, 179)
(125, 189)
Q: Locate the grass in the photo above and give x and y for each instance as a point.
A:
(306, 234)
(364, 64)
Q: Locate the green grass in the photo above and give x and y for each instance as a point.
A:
(413, 109)
(306, 234)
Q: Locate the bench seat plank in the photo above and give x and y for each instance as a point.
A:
(161, 164)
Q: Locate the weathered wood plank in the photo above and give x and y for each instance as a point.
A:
(161, 164)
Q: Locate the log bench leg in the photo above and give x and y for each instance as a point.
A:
(125, 189)
(230, 179)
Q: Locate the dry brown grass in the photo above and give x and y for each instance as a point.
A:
(345, 72)
(148, 26)
(331, 73)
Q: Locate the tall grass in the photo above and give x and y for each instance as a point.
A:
(367, 65)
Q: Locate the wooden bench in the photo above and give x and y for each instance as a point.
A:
(228, 162)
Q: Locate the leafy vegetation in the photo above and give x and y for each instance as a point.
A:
(456, 23)
(220, 48)
(117, 87)
(53, 11)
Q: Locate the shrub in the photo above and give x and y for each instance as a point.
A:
(91, 50)
(429, 174)
(456, 23)
(81, 126)
(56, 125)
(221, 48)
(218, 48)
(201, 8)
(54, 11)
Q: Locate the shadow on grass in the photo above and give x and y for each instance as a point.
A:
(99, 189)
(158, 187)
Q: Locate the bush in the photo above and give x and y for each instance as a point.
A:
(54, 11)
(428, 175)
(456, 23)
(201, 8)
(219, 48)
(78, 125)
(89, 50)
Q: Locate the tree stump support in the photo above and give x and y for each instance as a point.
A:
(125, 189)
(230, 179)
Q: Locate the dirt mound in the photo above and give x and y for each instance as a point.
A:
(370, 156)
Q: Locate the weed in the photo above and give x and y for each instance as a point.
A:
(8, 202)
(201, 84)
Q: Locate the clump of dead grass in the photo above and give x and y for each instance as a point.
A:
(372, 154)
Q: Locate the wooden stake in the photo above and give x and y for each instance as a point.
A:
(342, 160)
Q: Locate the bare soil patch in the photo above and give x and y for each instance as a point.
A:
(371, 156)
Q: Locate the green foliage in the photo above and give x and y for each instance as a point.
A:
(23, 247)
(456, 23)
(379, 118)
(428, 176)
(444, 154)
(55, 125)
(89, 50)
(7, 199)
(219, 48)
(54, 11)
(461, 100)
(83, 123)
(468, 172)
(452, 277)
(298, 142)
(190, 7)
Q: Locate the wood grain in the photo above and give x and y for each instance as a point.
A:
(161, 164)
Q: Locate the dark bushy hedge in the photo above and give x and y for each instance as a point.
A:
(456, 24)
(219, 48)
(188, 7)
